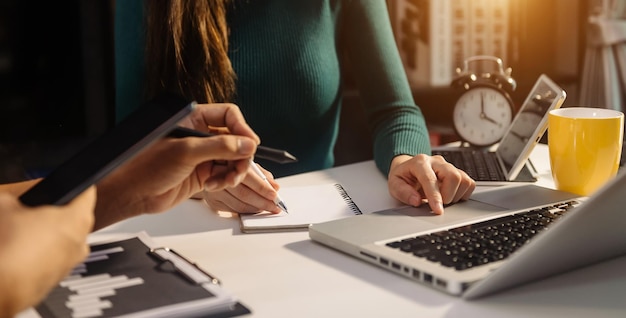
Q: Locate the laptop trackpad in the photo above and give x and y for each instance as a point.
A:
(522, 197)
(453, 214)
(488, 202)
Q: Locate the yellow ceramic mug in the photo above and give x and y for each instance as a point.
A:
(585, 146)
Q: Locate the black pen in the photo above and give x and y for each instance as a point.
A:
(275, 155)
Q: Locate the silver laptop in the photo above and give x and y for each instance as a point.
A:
(491, 242)
(509, 162)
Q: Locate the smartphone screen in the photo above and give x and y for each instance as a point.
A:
(99, 157)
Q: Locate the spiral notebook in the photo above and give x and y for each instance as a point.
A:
(307, 205)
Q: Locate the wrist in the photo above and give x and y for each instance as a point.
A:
(398, 160)
(115, 203)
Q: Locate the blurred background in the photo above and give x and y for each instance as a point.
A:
(56, 81)
(56, 67)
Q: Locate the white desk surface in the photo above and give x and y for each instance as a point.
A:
(288, 275)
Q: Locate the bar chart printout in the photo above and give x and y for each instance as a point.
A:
(131, 277)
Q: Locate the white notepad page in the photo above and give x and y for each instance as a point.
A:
(306, 205)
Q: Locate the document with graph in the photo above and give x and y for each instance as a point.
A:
(134, 277)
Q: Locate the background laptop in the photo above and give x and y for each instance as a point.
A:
(577, 234)
(509, 162)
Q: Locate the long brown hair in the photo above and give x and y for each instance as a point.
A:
(186, 50)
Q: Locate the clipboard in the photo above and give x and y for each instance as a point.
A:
(131, 276)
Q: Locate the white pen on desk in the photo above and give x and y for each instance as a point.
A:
(279, 202)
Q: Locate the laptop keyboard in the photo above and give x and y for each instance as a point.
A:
(484, 242)
(479, 165)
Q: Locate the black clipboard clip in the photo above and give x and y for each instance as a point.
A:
(185, 267)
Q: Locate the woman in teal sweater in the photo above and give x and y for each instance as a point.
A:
(287, 61)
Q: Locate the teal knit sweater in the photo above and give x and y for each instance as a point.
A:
(289, 84)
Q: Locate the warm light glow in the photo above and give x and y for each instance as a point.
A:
(226, 215)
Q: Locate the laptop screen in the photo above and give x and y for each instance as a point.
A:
(529, 125)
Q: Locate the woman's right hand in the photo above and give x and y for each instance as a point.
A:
(252, 195)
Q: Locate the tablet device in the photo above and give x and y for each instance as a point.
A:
(101, 156)
(529, 125)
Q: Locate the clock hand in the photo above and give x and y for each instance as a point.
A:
(493, 121)
(489, 119)
(482, 104)
(483, 115)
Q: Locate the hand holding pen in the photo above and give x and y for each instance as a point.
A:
(278, 201)
(275, 155)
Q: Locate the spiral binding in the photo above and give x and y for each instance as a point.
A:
(351, 205)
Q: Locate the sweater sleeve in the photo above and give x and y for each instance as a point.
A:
(397, 124)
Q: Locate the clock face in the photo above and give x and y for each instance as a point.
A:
(482, 115)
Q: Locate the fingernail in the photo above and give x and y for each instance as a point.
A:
(439, 208)
(246, 146)
(415, 200)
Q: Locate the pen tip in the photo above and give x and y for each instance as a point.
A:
(282, 206)
(291, 157)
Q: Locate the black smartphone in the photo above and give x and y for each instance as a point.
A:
(101, 156)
